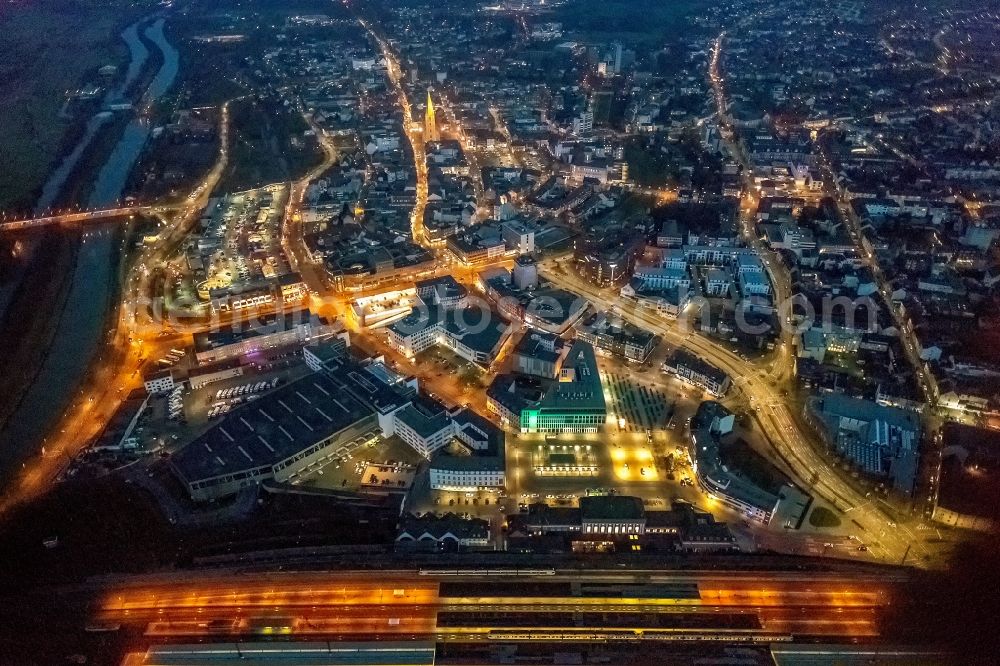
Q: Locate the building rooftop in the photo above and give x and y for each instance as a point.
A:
(410, 653)
(255, 327)
(271, 429)
(688, 360)
(611, 507)
(970, 466)
(710, 465)
(540, 345)
(425, 416)
(543, 515)
(547, 305)
(372, 383)
(485, 445)
(504, 389)
(476, 328)
(579, 383)
(600, 324)
(486, 438)
(328, 350)
(883, 440)
(439, 289)
(439, 527)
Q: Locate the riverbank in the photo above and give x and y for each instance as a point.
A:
(26, 329)
(72, 335)
(30, 339)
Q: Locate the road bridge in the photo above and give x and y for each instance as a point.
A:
(81, 217)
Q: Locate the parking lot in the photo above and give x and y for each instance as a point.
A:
(353, 469)
(218, 398)
(637, 406)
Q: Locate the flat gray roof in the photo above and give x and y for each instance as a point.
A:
(585, 390)
(410, 653)
(268, 430)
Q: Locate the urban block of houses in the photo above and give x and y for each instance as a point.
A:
(698, 372)
(614, 335)
(882, 441)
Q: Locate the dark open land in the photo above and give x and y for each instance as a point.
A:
(268, 145)
(638, 21)
(68, 41)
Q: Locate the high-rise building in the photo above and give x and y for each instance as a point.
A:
(430, 123)
(583, 123)
(616, 57)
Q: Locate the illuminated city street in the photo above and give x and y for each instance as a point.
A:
(554, 331)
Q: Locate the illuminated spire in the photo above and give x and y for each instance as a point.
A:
(430, 124)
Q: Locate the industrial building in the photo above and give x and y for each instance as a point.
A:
(282, 434)
(276, 437)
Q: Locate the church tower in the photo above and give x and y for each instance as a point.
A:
(430, 124)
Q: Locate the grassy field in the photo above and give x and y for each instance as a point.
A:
(268, 145)
(46, 48)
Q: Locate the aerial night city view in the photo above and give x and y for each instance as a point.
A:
(530, 332)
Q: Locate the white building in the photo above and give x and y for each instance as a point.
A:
(689, 367)
(525, 273)
(484, 468)
(583, 123)
(520, 237)
(425, 426)
(161, 382)
(717, 282)
(749, 263)
(655, 277)
(752, 283)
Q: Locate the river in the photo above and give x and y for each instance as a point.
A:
(81, 323)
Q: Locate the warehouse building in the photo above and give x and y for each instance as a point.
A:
(286, 433)
(276, 437)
